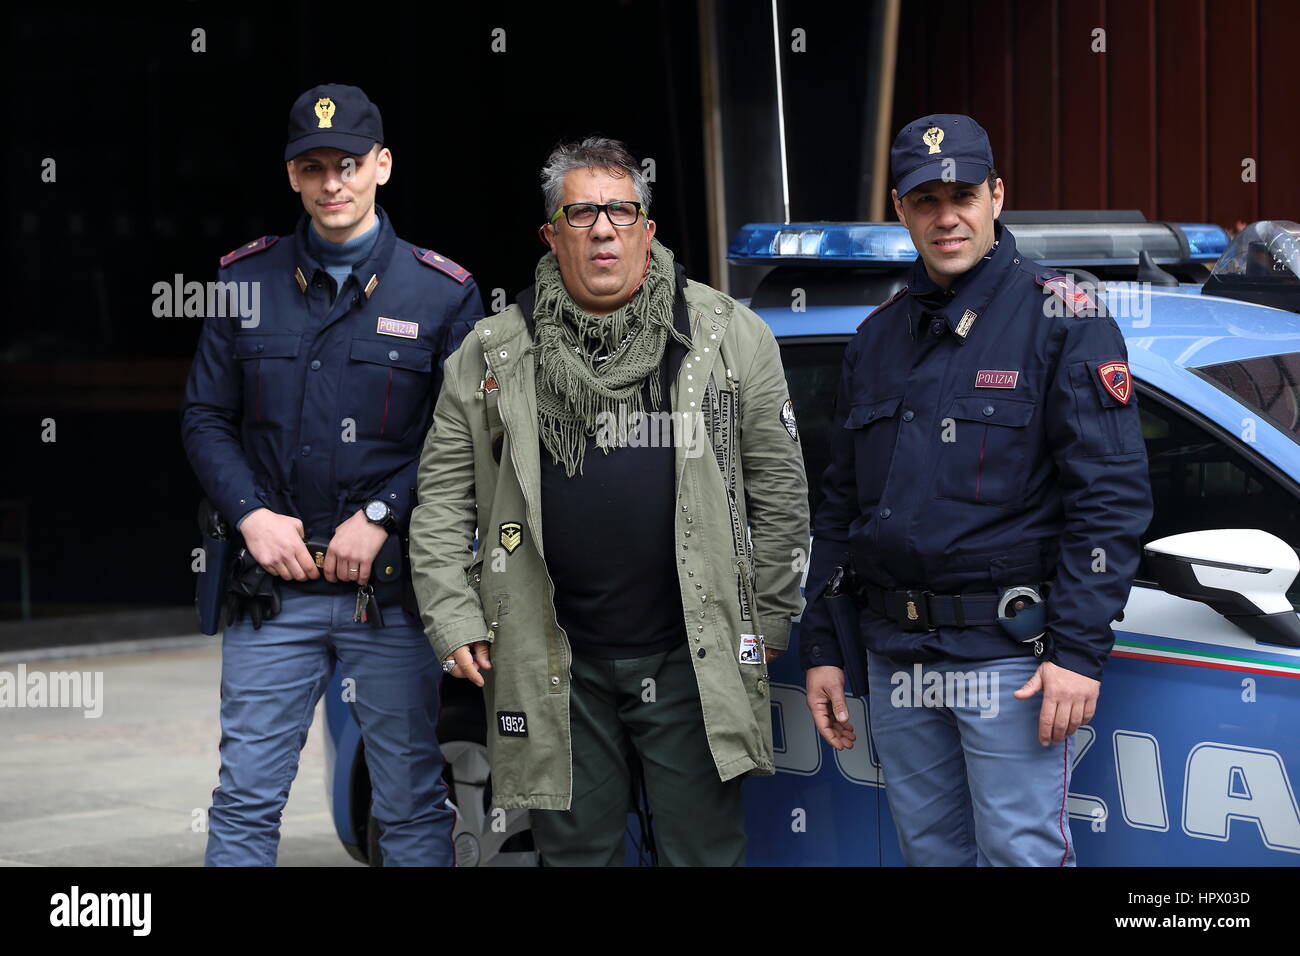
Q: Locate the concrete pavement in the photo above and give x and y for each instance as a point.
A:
(123, 789)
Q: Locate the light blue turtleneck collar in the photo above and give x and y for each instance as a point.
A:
(338, 258)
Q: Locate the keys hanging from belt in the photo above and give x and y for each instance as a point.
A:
(367, 608)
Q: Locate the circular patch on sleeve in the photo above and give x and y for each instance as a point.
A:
(787, 419)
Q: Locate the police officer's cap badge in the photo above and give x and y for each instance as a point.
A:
(511, 535)
(325, 112)
(932, 137)
(1116, 380)
(787, 419)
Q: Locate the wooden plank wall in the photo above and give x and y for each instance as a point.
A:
(1162, 121)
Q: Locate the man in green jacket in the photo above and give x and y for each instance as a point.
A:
(622, 441)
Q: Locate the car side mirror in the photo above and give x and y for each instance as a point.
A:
(1241, 573)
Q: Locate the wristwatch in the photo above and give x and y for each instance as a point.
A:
(378, 512)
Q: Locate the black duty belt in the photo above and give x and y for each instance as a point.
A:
(921, 610)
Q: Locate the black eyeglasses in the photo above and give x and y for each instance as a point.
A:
(583, 215)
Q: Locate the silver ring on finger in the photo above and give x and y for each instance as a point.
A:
(448, 666)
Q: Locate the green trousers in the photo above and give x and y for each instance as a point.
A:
(649, 706)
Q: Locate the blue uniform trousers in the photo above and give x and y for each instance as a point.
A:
(271, 680)
(967, 780)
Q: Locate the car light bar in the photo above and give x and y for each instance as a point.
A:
(833, 243)
(1051, 243)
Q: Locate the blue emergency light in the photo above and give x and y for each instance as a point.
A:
(1053, 242)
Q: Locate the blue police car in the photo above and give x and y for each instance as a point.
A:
(1188, 760)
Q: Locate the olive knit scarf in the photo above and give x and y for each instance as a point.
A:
(591, 365)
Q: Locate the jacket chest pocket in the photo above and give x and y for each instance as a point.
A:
(268, 363)
(984, 450)
(874, 425)
(388, 387)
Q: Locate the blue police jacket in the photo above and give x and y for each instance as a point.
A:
(319, 402)
(985, 437)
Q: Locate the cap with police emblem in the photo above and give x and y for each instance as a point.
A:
(944, 146)
(334, 116)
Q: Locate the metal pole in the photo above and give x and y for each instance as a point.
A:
(715, 182)
(780, 114)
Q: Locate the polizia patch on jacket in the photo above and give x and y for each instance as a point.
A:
(787, 419)
(406, 330)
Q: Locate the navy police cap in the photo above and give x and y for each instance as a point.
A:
(336, 116)
(944, 146)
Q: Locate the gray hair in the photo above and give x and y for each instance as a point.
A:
(594, 152)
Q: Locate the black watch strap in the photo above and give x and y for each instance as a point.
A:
(388, 522)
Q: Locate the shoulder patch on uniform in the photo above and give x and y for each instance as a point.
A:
(257, 245)
(1116, 380)
(442, 264)
(888, 302)
(1075, 299)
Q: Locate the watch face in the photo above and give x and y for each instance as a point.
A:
(376, 511)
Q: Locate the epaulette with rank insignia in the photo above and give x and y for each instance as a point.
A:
(1076, 300)
(442, 263)
(257, 245)
(888, 302)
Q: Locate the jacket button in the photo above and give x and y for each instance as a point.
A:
(306, 450)
(392, 356)
(555, 680)
(908, 416)
(936, 327)
(700, 652)
(315, 364)
(987, 409)
(816, 652)
(258, 347)
(885, 512)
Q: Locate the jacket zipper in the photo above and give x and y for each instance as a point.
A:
(529, 504)
(743, 567)
(535, 508)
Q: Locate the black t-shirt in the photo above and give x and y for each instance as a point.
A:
(609, 534)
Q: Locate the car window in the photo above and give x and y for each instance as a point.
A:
(1268, 385)
(812, 373)
(1200, 483)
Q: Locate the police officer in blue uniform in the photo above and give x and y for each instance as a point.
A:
(987, 488)
(304, 422)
